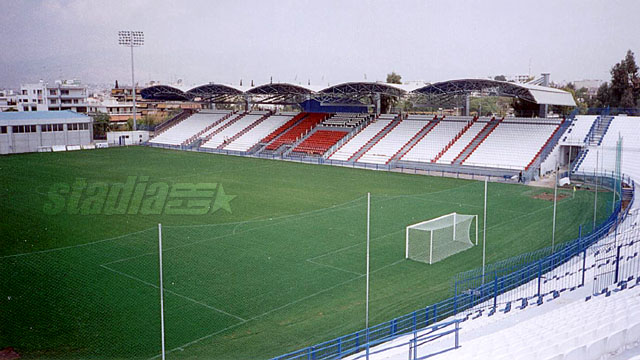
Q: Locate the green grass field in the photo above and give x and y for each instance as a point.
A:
(283, 270)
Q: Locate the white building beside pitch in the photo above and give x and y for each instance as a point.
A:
(22, 132)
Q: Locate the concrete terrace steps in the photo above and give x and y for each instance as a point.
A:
(594, 138)
(226, 125)
(263, 146)
(185, 114)
(190, 141)
(348, 137)
(244, 131)
(456, 138)
(600, 129)
(374, 140)
(473, 144)
(414, 140)
(287, 150)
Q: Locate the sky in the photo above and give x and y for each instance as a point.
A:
(321, 42)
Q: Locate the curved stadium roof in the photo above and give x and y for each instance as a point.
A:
(532, 93)
(212, 91)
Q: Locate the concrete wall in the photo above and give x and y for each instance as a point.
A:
(129, 137)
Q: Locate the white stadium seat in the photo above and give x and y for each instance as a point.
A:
(253, 136)
(358, 141)
(188, 127)
(235, 127)
(392, 142)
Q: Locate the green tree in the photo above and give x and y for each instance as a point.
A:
(101, 122)
(625, 83)
(394, 78)
(603, 96)
(580, 96)
(387, 102)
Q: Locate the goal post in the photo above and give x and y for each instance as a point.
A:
(433, 240)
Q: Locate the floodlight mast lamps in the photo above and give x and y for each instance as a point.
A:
(132, 39)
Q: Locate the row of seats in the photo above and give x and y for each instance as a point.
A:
(234, 127)
(434, 141)
(392, 142)
(284, 127)
(543, 121)
(578, 130)
(511, 145)
(346, 151)
(319, 142)
(253, 136)
(346, 120)
(299, 130)
(462, 142)
(188, 127)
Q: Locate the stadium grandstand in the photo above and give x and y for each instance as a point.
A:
(328, 130)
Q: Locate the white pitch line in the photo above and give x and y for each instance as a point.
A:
(335, 268)
(181, 347)
(74, 246)
(174, 293)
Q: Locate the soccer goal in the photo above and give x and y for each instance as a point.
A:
(436, 239)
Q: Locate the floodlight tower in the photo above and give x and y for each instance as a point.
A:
(132, 39)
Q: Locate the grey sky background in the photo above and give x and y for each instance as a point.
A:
(321, 41)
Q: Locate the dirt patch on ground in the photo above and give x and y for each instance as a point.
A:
(549, 196)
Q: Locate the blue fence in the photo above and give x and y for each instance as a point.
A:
(470, 292)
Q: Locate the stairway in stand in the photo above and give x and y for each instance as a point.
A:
(414, 140)
(358, 154)
(473, 145)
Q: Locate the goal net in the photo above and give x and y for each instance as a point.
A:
(436, 239)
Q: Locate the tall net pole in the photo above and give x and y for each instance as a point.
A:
(366, 321)
(617, 183)
(484, 228)
(595, 200)
(555, 204)
(161, 289)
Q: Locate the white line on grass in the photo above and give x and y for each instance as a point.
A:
(335, 267)
(174, 293)
(181, 347)
(75, 246)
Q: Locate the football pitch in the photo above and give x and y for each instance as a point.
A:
(277, 264)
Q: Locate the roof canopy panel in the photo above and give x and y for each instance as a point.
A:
(532, 93)
(287, 93)
(213, 90)
(365, 88)
(281, 89)
(164, 93)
